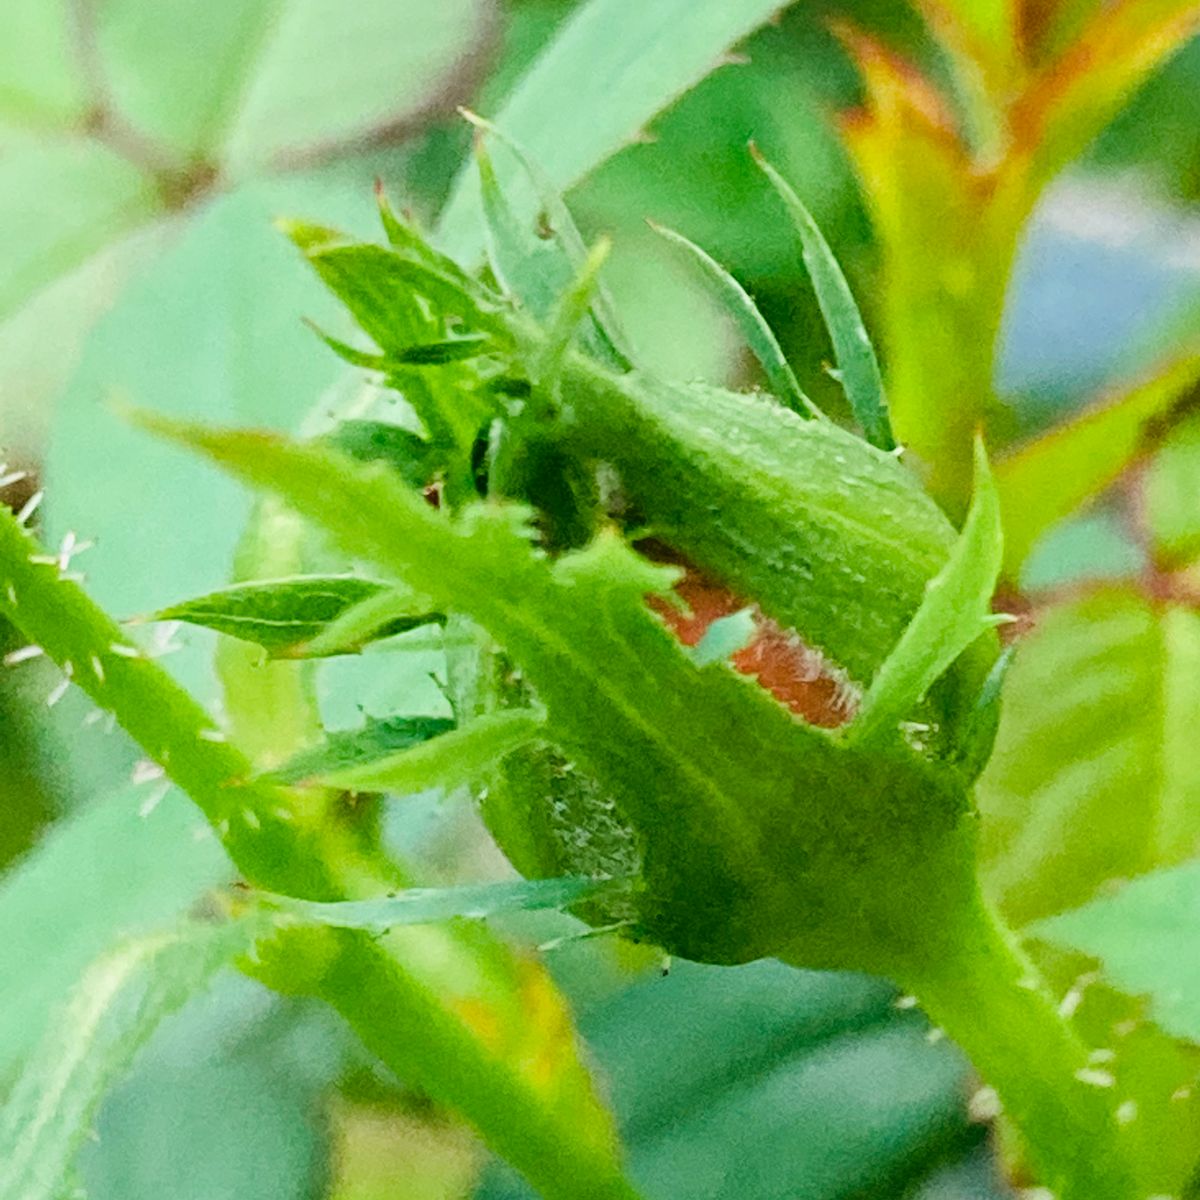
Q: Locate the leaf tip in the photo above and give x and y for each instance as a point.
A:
(307, 237)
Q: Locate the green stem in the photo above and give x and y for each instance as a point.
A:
(990, 998)
(280, 847)
(271, 843)
(412, 1036)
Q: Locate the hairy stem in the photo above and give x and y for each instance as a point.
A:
(279, 846)
(990, 998)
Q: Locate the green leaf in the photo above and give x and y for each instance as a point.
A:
(206, 1111)
(178, 73)
(234, 82)
(539, 261)
(726, 821)
(414, 459)
(444, 761)
(1145, 938)
(1095, 775)
(979, 730)
(434, 989)
(532, 268)
(986, 41)
(570, 316)
(382, 287)
(378, 738)
(946, 253)
(88, 196)
(411, 299)
(1076, 94)
(1172, 503)
(391, 611)
(431, 354)
(282, 615)
(1049, 478)
(791, 1060)
(119, 1002)
(42, 341)
(955, 612)
(189, 92)
(271, 707)
(851, 343)
(123, 997)
(39, 70)
(751, 324)
(104, 872)
(384, 65)
(424, 906)
(610, 69)
(223, 304)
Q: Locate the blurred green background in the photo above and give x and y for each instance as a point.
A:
(145, 147)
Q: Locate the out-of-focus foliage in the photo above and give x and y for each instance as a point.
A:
(143, 154)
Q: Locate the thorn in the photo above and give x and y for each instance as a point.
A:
(24, 654)
(212, 735)
(732, 58)
(1181, 1093)
(12, 477)
(97, 668)
(144, 771)
(1127, 1111)
(29, 508)
(59, 690)
(124, 650)
(1098, 1057)
(251, 818)
(935, 1035)
(97, 714)
(1122, 1029)
(69, 548)
(10, 590)
(1069, 1004)
(903, 1003)
(223, 827)
(161, 643)
(283, 814)
(1094, 1077)
(984, 1105)
(155, 798)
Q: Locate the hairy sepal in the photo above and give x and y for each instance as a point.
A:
(831, 537)
(756, 832)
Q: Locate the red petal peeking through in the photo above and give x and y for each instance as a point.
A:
(797, 675)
